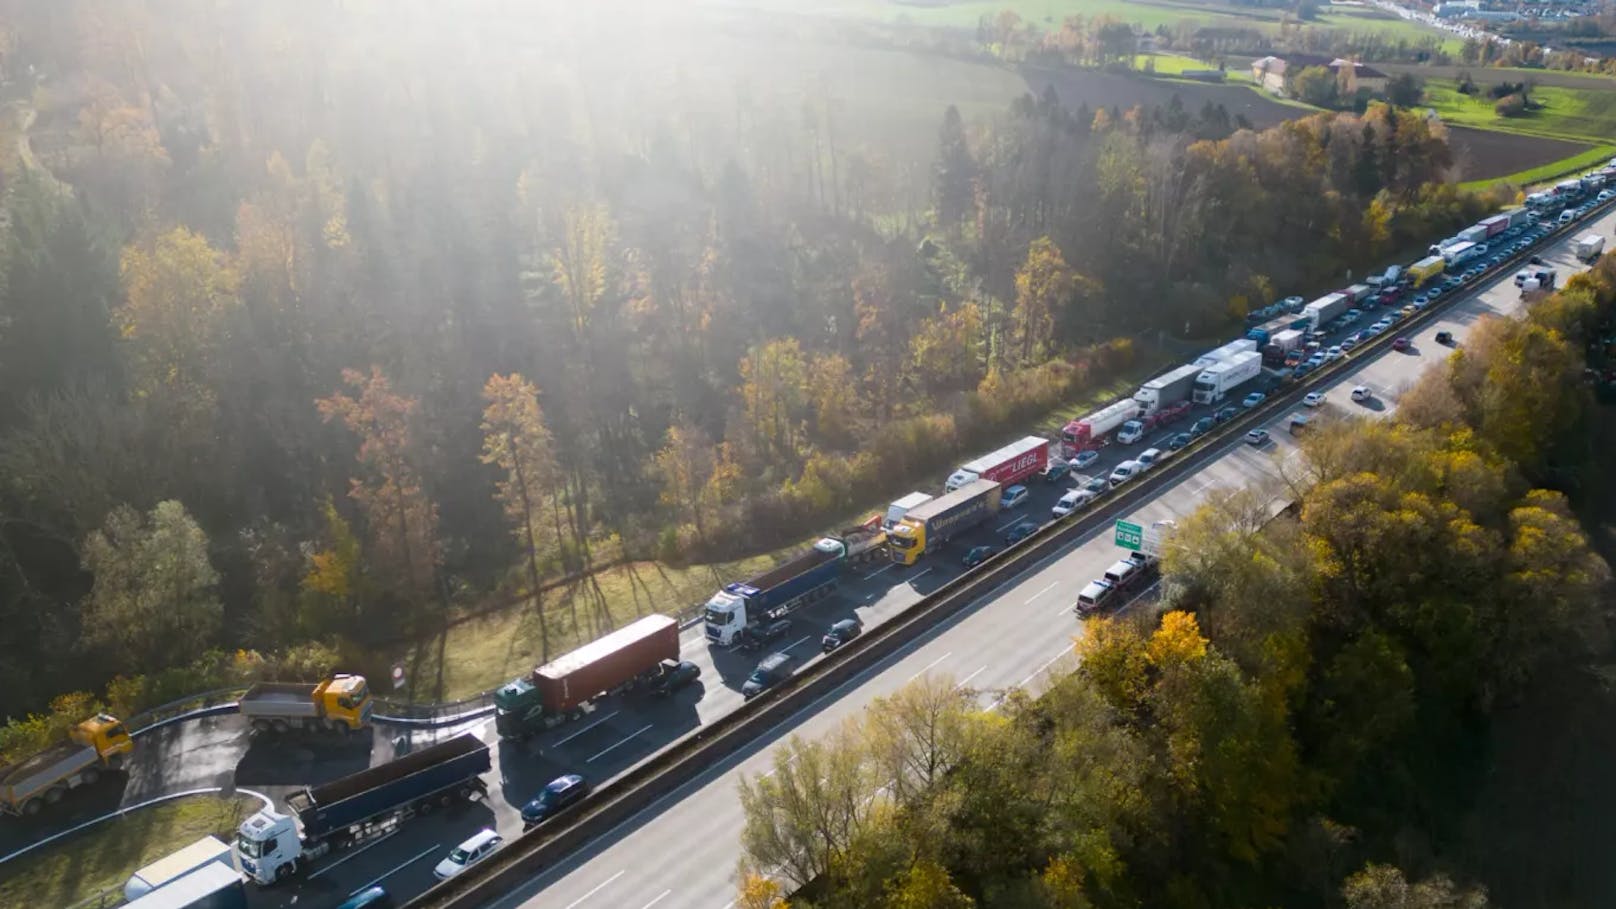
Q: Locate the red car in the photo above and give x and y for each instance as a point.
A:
(1400, 344)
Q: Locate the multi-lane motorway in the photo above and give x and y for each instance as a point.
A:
(682, 851)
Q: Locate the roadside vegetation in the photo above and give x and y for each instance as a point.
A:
(1309, 721)
(102, 857)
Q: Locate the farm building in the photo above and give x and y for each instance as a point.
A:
(1270, 71)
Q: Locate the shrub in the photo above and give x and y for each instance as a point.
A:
(1511, 106)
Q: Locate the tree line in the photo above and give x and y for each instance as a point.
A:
(1311, 702)
(356, 363)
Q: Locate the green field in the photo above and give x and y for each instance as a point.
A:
(1579, 114)
(104, 856)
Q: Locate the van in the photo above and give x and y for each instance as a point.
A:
(1125, 471)
(1120, 573)
(1094, 597)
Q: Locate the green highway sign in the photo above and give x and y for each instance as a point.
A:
(1130, 536)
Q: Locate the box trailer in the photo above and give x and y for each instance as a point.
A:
(1011, 464)
(559, 690)
(1227, 351)
(1424, 270)
(176, 865)
(1216, 382)
(216, 885)
(1325, 309)
(1166, 389)
(943, 518)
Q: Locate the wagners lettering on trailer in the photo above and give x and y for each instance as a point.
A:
(939, 527)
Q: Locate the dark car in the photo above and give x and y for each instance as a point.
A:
(1202, 426)
(839, 634)
(1097, 485)
(368, 898)
(770, 671)
(1226, 414)
(562, 793)
(977, 555)
(1055, 472)
(1021, 531)
(1179, 441)
(1444, 337)
(755, 637)
(674, 676)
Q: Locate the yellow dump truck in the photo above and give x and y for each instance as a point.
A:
(341, 703)
(96, 745)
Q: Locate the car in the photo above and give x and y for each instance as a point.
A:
(1013, 497)
(480, 846)
(1096, 485)
(770, 671)
(1604, 195)
(1351, 341)
(1257, 437)
(1409, 310)
(1567, 216)
(1400, 344)
(753, 637)
(1434, 291)
(1253, 399)
(1055, 471)
(976, 555)
(839, 634)
(557, 796)
(1294, 304)
(1334, 353)
(1301, 370)
(1313, 399)
(1085, 459)
(1125, 471)
(1178, 441)
(674, 675)
(1444, 337)
(1535, 260)
(368, 898)
(1202, 426)
(1361, 394)
(1072, 501)
(1021, 531)
(1420, 303)
(1150, 457)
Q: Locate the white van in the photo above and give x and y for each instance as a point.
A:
(1119, 574)
(1093, 598)
(1126, 471)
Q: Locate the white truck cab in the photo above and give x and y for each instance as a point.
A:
(268, 846)
(1131, 432)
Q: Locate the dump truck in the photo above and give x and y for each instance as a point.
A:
(1011, 464)
(808, 578)
(93, 747)
(1094, 430)
(271, 846)
(216, 885)
(175, 865)
(1166, 389)
(341, 703)
(560, 689)
(931, 525)
(1325, 309)
(1216, 382)
(1588, 247)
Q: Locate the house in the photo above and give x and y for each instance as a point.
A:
(1270, 71)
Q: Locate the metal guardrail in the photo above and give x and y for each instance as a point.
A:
(153, 717)
(686, 758)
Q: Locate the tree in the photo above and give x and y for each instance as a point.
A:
(517, 441)
(1317, 86)
(774, 388)
(952, 183)
(918, 733)
(1044, 285)
(153, 598)
(834, 395)
(1405, 90)
(685, 464)
(926, 885)
(401, 519)
(758, 892)
(334, 570)
(1384, 887)
(802, 817)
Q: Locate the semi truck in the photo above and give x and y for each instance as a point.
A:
(1518, 217)
(341, 703)
(899, 508)
(1588, 247)
(559, 690)
(175, 865)
(1167, 388)
(1325, 309)
(1460, 253)
(1426, 269)
(931, 525)
(1011, 464)
(1358, 292)
(216, 885)
(1226, 352)
(271, 846)
(1496, 225)
(805, 579)
(1475, 233)
(1215, 383)
(1265, 332)
(1282, 344)
(93, 747)
(1092, 430)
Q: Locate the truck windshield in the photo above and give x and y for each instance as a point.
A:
(249, 848)
(717, 616)
(902, 541)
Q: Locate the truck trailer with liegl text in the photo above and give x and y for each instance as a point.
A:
(927, 528)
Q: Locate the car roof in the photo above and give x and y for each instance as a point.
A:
(1094, 589)
(479, 838)
(774, 660)
(364, 898)
(564, 782)
(846, 623)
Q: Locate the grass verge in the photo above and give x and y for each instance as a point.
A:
(103, 857)
(1578, 114)
(1551, 171)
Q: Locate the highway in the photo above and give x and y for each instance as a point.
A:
(682, 851)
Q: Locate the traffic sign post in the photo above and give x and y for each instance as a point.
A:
(1130, 536)
(398, 676)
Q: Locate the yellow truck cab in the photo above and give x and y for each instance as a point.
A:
(341, 703)
(98, 743)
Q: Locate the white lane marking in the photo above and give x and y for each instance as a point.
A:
(921, 575)
(1041, 592)
(793, 644)
(1039, 671)
(876, 572)
(574, 903)
(586, 728)
(973, 675)
(1002, 528)
(929, 665)
(355, 854)
(1065, 608)
(623, 741)
(659, 899)
(394, 870)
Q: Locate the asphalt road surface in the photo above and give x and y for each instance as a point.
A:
(682, 850)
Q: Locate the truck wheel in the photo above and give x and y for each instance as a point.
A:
(54, 794)
(280, 727)
(285, 871)
(425, 807)
(90, 775)
(31, 807)
(339, 727)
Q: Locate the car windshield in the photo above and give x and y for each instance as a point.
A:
(460, 855)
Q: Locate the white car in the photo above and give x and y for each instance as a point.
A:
(1334, 353)
(1125, 471)
(1253, 399)
(1014, 497)
(1362, 393)
(1313, 398)
(1072, 501)
(469, 853)
(1149, 458)
(1085, 459)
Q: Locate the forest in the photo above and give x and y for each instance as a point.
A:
(1305, 723)
(323, 324)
